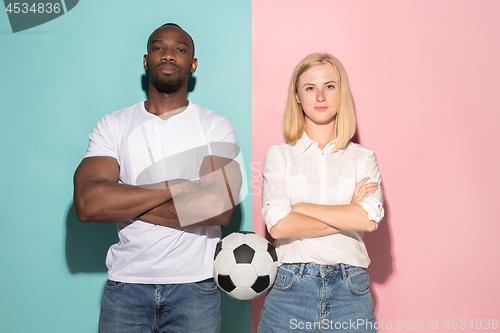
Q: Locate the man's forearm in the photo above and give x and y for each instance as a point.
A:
(211, 203)
(162, 215)
(106, 202)
(210, 206)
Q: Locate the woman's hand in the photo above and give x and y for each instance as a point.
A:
(340, 217)
(363, 190)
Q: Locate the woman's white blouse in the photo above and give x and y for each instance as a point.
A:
(305, 173)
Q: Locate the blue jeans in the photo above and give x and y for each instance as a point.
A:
(318, 298)
(141, 308)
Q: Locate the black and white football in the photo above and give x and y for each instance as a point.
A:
(245, 265)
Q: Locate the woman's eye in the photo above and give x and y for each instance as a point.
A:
(330, 86)
(309, 88)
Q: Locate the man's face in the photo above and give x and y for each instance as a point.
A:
(170, 59)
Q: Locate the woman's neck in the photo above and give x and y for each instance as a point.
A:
(322, 134)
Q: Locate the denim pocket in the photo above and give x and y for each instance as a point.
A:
(358, 282)
(207, 286)
(285, 279)
(113, 285)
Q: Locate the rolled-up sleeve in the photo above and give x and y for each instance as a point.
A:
(275, 198)
(374, 204)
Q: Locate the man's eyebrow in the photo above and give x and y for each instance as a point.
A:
(161, 40)
(181, 42)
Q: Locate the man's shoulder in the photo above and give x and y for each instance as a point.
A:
(215, 127)
(209, 117)
(204, 112)
(117, 120)
(126, 112)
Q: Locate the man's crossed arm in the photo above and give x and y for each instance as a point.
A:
(175, 203)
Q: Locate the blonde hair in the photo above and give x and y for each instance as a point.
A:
(293, 125)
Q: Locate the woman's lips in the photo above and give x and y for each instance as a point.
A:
(321, 108)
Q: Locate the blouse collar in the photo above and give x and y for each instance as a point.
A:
(305, 142)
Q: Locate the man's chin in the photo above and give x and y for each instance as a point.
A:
(168, 87)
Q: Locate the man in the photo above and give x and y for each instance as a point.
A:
(164, 170)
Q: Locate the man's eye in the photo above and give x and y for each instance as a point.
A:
(156, 48)
(181, 50)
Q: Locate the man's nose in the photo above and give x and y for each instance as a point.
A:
(168, 55)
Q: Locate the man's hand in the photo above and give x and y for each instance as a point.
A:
(181, 186)
(209, 201)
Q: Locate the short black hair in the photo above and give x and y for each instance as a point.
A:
(172, 25)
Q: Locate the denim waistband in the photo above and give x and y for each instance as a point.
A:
(321, 270)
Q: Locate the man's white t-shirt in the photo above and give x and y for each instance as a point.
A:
(149, 150)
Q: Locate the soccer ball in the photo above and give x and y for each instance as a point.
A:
(245, 265)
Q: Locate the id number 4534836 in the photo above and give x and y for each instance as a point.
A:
(35, 8)
(477, 324)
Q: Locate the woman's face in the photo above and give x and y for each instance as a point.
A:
(318, 93)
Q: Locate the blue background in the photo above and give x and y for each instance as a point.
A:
(57, 81)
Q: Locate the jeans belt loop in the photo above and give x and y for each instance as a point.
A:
(301, 270)
(344, 273)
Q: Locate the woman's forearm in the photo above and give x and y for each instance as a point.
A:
(296, 225)
(344, 217)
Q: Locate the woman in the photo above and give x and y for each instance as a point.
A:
(320, 193)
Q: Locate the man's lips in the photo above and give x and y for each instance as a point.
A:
(168, 69)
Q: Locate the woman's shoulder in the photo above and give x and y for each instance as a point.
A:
(280, 146)
(356, 148)
(277, 151)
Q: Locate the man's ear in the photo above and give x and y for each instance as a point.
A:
(194, 65)
(145, 61)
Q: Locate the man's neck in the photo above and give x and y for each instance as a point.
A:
(161, 103)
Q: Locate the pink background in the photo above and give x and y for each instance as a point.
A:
(425, 77)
